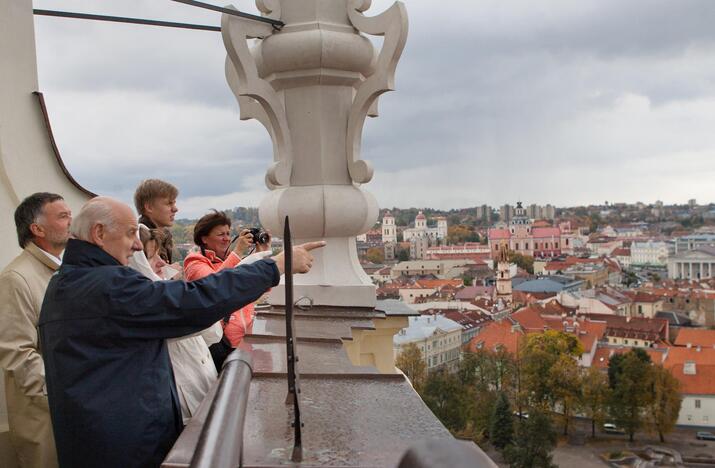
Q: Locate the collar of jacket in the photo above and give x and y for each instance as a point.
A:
(211, 255)
(81, 253)
(147, 222)
(36, 252)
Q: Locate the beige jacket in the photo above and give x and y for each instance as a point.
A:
(22, 288)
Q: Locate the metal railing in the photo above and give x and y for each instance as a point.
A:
(220, 444)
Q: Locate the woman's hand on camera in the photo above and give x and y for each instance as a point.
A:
(244, 240)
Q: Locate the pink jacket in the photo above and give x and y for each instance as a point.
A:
(197, 266)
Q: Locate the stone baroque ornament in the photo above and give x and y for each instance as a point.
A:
(311, 84)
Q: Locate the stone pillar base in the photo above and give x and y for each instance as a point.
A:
(339, 296)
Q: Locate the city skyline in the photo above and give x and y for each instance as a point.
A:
(570, 101)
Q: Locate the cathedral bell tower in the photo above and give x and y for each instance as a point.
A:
(504, 275)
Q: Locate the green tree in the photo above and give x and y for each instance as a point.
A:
(403, 255)
(524, 262)
(594, 396)
(615, 365)
(665, 403)
(536, 439)
(445, 396)
(411, 362)
(501, 431)
(631, 392)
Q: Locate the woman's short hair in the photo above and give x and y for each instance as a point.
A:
(207, 222)
(147, 235)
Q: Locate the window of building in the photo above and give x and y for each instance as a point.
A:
(697, 404)
(626, 341)
(556, 245)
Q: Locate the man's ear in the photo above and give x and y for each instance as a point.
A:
(148, 207)
(37, 230)
(97, 234)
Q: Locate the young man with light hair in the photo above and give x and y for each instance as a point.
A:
(155, 201)
(42, 221)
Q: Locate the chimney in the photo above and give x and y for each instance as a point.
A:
(697, 348)
(689, 345)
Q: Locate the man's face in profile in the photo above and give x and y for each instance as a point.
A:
(162, 211)
(121, 240)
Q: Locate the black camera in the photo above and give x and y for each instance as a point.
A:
(259, 236)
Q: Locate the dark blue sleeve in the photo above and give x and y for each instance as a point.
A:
(169, 309)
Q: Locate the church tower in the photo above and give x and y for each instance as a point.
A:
(442, 228)
(389, 230)
(504, 275)
(420, 221)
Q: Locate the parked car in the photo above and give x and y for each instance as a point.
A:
(705, 435)
(610, 428)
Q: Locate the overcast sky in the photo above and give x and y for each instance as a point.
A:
(563, 102)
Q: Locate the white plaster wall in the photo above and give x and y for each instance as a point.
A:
(27, 162)
(691, 416)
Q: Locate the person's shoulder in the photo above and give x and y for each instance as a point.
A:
(22, 265)
(197, 256)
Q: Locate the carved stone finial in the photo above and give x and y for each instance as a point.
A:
(311, 85)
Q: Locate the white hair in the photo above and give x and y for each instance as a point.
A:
(99, 210)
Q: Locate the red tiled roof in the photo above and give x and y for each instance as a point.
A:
(621, 252)
(679, 355)
(497, 233)
(530, 318)
(603, 355)
(436, 284)
(696, 337)
(702, 383)
(543, 232)
(640, 296)
(495, 334)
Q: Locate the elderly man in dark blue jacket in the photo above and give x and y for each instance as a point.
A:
(110, 385)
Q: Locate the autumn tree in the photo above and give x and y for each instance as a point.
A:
(662, 412)
(565, 379)
(541, 353)
(535, 440)
(501, 432)
(460, 234)
(376, 255)
(631, 393)
(411, 362)
(594, 396)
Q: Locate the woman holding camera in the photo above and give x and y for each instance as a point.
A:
(212, 234)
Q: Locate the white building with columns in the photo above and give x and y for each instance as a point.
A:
(692, 264)
(434, 234)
